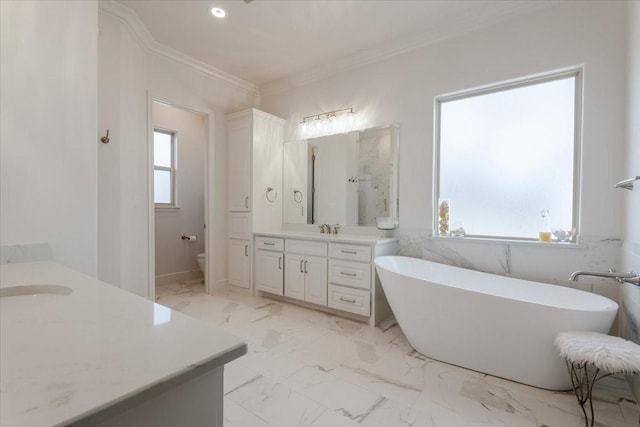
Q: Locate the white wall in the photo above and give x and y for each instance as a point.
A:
(139, 74)
(631, 249)
(49, 129)
(402, 90)
(174, 255)
(123, 242)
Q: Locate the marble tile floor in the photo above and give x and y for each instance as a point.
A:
(308, 368)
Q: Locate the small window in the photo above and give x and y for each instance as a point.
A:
(505, 153)
(164, 168)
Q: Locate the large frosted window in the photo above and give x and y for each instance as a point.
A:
(505, 153)
(164, 168)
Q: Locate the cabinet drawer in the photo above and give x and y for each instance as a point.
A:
(240, 225)
(350, 252)
(270, 243)
(305, 247)
(351, 300)
(350, 273)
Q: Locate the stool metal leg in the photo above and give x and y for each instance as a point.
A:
(583, 381)
(582, 386)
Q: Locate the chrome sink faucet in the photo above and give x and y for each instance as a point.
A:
(630, 277)
(329, 229)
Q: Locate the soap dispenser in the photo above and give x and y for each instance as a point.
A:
(544, 233)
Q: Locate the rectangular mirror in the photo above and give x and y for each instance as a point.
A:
(347, 179)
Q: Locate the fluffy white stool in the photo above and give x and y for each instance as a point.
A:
(604, 354)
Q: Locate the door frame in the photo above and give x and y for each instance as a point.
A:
(209, 192)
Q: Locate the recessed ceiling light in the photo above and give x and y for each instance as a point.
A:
(218, 12)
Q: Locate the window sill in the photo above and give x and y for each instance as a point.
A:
(562, 245)
(167, 208)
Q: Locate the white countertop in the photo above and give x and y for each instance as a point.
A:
(63, 358)
(332, 238)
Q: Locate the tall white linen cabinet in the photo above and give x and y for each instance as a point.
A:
(254, 185)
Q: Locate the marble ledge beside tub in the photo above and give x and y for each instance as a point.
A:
(102, 354)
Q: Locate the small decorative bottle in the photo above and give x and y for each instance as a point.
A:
(443, 218)
(544, 234)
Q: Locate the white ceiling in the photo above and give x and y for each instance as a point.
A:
(270, 40)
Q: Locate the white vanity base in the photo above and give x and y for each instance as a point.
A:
(364, 319)
(331, 273)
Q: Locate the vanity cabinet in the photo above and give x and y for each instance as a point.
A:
(239, 143)
(350, 271)
(269, 265)
(306, 271)
(239, 249)
(254, 163)
(240, 263)
(337, 275)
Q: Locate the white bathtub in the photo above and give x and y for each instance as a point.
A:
(493, 324)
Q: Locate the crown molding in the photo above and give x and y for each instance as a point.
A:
(387, 51)
(129, 18)
(378, 54)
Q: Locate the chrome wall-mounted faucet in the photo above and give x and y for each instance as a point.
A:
(630, 277)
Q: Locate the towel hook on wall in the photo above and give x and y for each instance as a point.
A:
(627, 184)
(105, 139)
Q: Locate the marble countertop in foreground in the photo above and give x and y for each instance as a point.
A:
(63, 358)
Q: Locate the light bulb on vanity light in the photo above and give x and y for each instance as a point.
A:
(351, 119)
(332, 124)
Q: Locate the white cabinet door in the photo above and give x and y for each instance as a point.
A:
(239, 263)
(315, 289)
(294, 276)
(239, 167)
(269, 271)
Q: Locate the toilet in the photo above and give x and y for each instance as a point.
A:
(201, 262)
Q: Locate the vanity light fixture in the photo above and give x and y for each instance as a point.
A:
(218, 12)
(328, 123)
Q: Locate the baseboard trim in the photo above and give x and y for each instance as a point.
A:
(181, 276)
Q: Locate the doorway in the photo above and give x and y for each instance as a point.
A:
(179, 247)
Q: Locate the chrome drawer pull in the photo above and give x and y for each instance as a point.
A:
(301, 270)
(279, 263)
(352, 301)
(348, 274)
(269, 243)
(349, 252)
(246, 202)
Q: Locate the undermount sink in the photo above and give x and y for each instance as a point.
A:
(33, 294)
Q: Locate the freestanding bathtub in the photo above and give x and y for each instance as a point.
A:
(493, 324)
